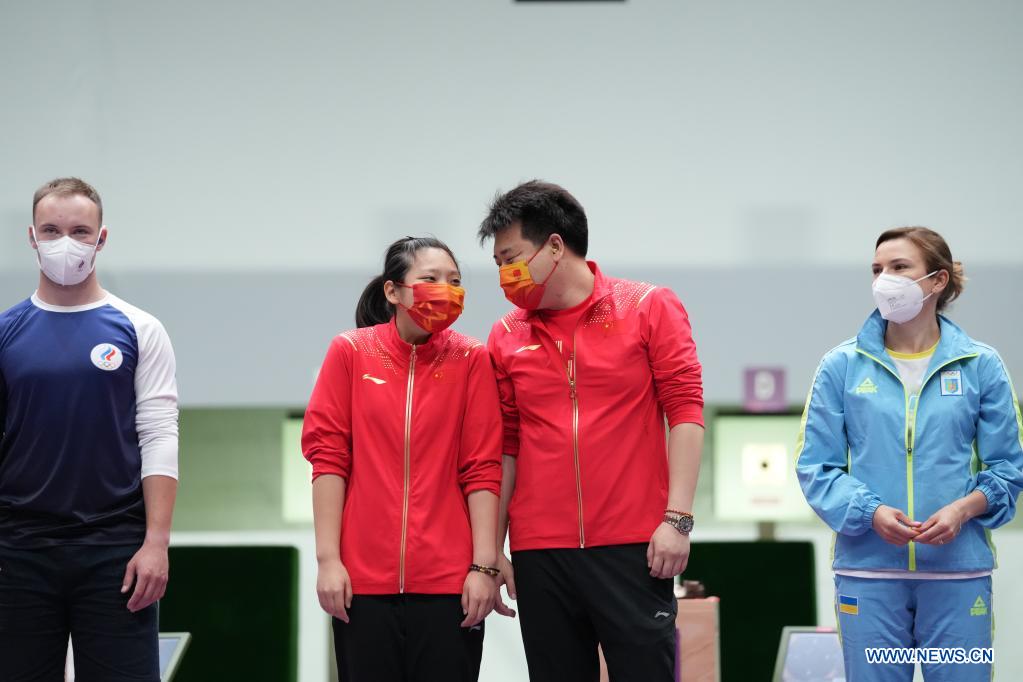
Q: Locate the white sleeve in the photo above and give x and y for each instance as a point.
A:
(156, 395)
(156, 399)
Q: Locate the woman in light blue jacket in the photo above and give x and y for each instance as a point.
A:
(911, 450)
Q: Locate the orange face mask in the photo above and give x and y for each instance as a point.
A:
(435, 306)
(518, 284)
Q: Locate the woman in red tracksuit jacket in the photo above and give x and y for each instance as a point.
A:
(403, 432)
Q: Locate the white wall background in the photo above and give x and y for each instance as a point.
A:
(255, 137)
(252, 135)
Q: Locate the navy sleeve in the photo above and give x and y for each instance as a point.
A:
(3, 405)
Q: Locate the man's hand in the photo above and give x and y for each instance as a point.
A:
(895, 527)
(334, 588)
(479, 592)
(506, 578)
(149, 570)
(668, 552)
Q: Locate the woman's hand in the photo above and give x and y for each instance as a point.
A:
(945, 524)
(479, 593)
(895, 527)
(334, 588)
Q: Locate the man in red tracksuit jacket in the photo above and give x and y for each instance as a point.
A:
(597, 501)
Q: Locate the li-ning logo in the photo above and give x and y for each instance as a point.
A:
(662, 614)
(867, 386)
(107, 357)
(367, 377)
(533, 347)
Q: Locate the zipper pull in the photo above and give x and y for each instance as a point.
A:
(571, 389)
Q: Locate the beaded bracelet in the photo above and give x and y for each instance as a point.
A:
(488, 570)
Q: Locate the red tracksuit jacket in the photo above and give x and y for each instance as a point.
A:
(589, 434)
(413, 430)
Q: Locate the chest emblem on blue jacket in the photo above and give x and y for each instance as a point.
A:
(951, 382)
(866, 386)
(107, 357)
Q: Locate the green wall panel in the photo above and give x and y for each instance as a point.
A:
(241, 606)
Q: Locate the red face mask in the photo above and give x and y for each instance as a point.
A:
(435, 306)
(518, 284)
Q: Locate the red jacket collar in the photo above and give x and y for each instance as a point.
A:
(401, 350)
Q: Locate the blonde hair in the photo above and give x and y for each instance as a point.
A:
(937, 256)
(67, 187)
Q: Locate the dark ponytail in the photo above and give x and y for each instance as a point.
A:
(373, 307)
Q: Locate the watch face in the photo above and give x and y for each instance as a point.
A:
(685, 524)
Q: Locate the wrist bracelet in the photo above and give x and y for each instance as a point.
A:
(487, 570)
(676, 512)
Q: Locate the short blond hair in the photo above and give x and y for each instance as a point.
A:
(68, 187)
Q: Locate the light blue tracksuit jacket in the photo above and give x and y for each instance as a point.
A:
(865, 441)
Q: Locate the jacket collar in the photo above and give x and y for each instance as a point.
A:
(954, 342)
(402, 350)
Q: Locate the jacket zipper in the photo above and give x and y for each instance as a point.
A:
(912, 407)
(571, 371)
(575, 440)
(912, 438)
(408, 466)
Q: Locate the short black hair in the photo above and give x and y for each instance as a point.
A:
(542, 209)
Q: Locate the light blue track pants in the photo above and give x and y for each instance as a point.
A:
(923, 614)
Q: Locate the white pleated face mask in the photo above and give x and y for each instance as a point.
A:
(898, 298)
(66, 261)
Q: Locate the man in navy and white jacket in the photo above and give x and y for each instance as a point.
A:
(88, 460)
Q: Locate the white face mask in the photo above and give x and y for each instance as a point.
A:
(899, 299)
(66, 261)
